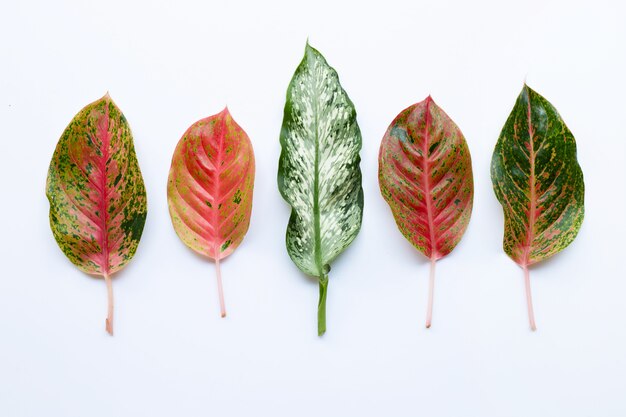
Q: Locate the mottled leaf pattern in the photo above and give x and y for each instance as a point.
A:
(96, 192)
(210, 187)
(538, 181)
(319, 174)
(425, 175)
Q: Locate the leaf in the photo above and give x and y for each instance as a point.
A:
(539, 183)
(96, 193)
(318, 173)
(209, 189)
(425, 175)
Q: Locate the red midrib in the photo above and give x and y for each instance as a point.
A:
(426, 180)
(530, 235)
(104, 216)
(216, 184)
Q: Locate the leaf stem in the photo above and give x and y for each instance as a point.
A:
(321, 306)
(529, 299)
(431, 290)
(109, 320)
(220, 290)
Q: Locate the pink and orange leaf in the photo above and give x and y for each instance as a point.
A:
(210, 188)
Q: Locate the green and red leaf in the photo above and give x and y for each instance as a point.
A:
(538, 182)
(96, 192)
(210, 187)
(425, 175)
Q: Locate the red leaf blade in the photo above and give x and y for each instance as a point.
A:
(210, 186)
(425, 175)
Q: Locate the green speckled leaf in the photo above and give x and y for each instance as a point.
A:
(96, 193)
(539, 183)
(319, 174)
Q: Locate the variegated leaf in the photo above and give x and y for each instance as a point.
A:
(96, 193)
(537, 179)
(425, 175)
(210, 187)
(319, 174)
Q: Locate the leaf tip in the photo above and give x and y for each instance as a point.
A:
(428, 102)
(308, 49)
(526, 89)
(106, 98)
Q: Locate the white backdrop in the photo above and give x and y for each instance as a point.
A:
(169, 64)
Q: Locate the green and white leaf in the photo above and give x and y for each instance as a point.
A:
(319, 174)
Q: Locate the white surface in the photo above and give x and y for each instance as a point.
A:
(167, 65)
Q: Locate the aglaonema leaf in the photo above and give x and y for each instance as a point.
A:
(97, 196)
(425, 175)
(539, 183)
(319, 174)
(209, 190)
